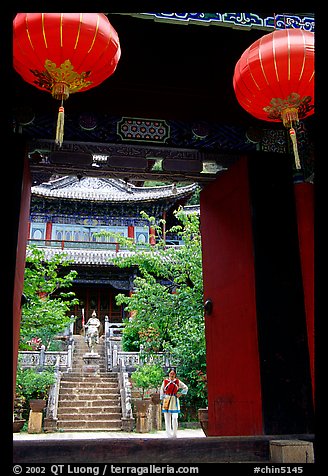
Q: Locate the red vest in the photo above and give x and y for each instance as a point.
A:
(171, 386)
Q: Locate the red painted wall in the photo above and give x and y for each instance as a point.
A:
(304, 198)
(233, 372)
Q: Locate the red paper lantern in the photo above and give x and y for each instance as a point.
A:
(274, 79)
(64, 53)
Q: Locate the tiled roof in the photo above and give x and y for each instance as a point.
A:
(108, 190)
(191, 209)
(87, 256)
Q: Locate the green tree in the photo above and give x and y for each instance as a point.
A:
(167, 303)
(147, 377)
(47, 302)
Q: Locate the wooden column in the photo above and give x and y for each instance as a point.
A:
(304, 197)
(152, 239)
(48, 230)
(131, 231)
(21, 190)
(164, 226)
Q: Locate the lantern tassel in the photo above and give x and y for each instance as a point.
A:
(292, 134)
(60, 126)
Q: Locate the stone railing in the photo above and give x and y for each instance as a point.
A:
(50, 421)
(126, 400)
(118, 359)
(50, 358)
(45, 358)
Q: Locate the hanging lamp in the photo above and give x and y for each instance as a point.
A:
(274, 79)
(64, 53)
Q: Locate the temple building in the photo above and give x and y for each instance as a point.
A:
(65, 215)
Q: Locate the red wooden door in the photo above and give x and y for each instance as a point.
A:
(233, 371)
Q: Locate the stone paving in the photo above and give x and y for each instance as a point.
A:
(71, 435)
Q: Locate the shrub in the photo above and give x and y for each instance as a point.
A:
(33, 384)
(147, 377)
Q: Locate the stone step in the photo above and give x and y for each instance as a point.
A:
(82, 346)
(80, 360)
(110, 378)
(73, 386)
(79, 369)
(110, 395)
(114, 425)
(83, 410)
(89, 403)
(87, 396)
(79, 365)
(100, 374)
(95, 417)
(114, 429)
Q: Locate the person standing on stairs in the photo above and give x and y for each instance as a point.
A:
(171, 390)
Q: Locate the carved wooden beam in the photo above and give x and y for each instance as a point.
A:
(125, 161)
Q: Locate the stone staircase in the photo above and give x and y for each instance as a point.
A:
(88, 402)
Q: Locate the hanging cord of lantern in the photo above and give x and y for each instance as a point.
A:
(60, 91)
(289, 116)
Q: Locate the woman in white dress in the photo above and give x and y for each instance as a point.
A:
(171, 390)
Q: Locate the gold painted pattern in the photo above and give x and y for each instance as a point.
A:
(293, 101)
(43, 30)
(288, 56)
(274, 57)
(304, 57)
(250, 72)
(109, 39)
(61, 30)
(78, 31)
(95, 35)
(63, 74)
(261, 62)
(28, 33)
(312, 75)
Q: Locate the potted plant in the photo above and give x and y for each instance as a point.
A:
(203, 412)
(145, 378)
(19, 407)
(35, 386)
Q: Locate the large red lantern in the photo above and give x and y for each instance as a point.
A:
(274, 79)
(64, 53)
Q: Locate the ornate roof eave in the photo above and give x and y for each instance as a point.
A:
(98, 189)
(243, 20)
(88, 257)
(85, 257)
